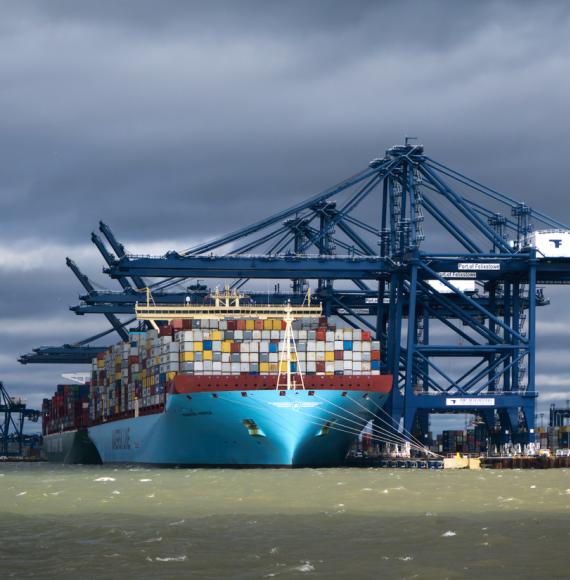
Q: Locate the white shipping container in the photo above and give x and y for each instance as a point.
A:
(311, 367)
(550, 243)
(329, 367)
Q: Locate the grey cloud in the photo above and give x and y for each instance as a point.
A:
(184, 120)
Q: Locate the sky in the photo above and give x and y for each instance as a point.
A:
(178, 121)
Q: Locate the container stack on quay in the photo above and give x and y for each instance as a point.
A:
(67, 409)
(133, 375)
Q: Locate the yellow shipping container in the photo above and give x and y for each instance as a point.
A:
(249, 325)
(186, 356)
(216, 335)
(283, 366)
(267, 324)
(207, 355)
(273, 367)
(264, 367)
(276, 325)
(329, 356)
(170, 375)
(198, 346)
(227, 346)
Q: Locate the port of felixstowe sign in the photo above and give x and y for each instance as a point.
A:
(470, 402)
(479, 266)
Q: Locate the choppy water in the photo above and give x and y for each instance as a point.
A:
(95, 522)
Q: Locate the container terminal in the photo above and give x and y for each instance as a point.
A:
(444, 273)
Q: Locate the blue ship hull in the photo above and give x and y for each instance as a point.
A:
(242, 428)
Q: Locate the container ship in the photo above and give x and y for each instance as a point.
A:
(227, 385)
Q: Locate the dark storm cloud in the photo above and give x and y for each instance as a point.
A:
(177, 121)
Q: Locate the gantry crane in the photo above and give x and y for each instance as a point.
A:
(442, 268)
(13, 411)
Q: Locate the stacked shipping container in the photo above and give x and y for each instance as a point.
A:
(131, 376)
(67, 409)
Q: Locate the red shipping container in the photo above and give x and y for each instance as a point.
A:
(258, 324)
(133, 360)
(235, 347)
(187, 324)
(240, 325)
(177, 324)
(338, 355)
(375, 355)
(366, 335)
(321, 335)
(232, 325)
(166, 330)
(320, 367)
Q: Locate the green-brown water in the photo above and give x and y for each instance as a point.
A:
(95, 522)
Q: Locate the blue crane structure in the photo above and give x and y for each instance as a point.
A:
(13, 412)
(455, 310)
